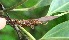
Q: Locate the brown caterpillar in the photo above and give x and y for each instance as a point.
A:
(29, 22)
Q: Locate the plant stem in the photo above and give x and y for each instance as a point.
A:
(22, 9)
(61, 14)
(28, 34)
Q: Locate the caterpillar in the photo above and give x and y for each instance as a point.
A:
(22, 23)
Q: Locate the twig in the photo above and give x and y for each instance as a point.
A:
(28, 34)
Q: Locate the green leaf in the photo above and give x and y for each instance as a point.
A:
(60, 31)
(34, 4)
(42, 3)
(8, 33)
(30, 3)
(29, 14)
(57, 38)
(58, 6)
(9, 3)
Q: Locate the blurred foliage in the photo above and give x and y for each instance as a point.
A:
(8, 33)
